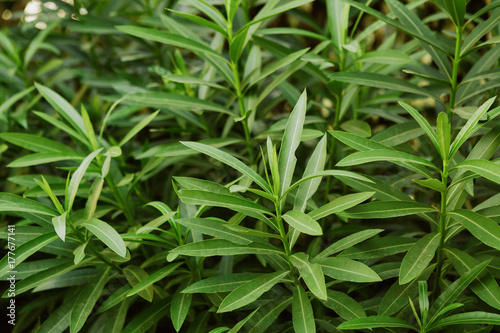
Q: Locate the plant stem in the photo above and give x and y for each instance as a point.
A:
(454, 78)
(284, 239)
(442, 228)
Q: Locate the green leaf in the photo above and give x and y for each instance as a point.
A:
(193, 197)
(397, 295)
(454, 290)
(471, 126)
(231, 8)
(135, 275)
(36, 143)
(418, 257)
(389, 155)
(250, 291)
(357, 127)
(487, 169)
(267, 314)
(117, 297)
(180, 308)
(302, 222)
(340, 204)
(433, 184)
(345, 306)
(347, 270)
(348, 242)
(375, 322)
(387, 209)
(475, 317)
(216, 228)
(137, 128)
(62, 107)
(58, 321)
(221, 283)
(477, 33)
(230, 161)
(290, 142)
(302, 312)
(153, 278)
(424, 124)
(311, 274)
(315, 164)
(484, 229)
(387, 57)
(148, 317)
(485, 285)
(77, 177)
(221, 247)
(380, 81)
(43, 158)
(106, 234)
(157, 99)
(59, 223)
(201, 21)
(456, 10)
(86, 301)
(14, 203)
(379, 247)
(443, 134)
(25, 250)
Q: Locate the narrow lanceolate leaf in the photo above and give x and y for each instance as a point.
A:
(456, 10)
(43, 158)
(250, 291)
(424, 124)
(59, 223)
(485, 286)
(13, 203)
(386, 155)
(77, 178)
(486, 169)
(388, 57)
(193, 197)
(340, 204)
(456, 289)
(348, 242)
(180, 308)
(222, 247)
(148, 317)
(484, 229)
(290, 142)
(302, 312)
(302, 222)
(86, 301)
(162, 100)
(137, 128)
(379, 247)
(443, 130)
(153, 278)
(134, 275)
(230, 161)
(221, 283)
(267, 314)
(58, 321)
(479, 31)
(418, 257)
(375, 322)
(216, 229)
(344, 305)
(347, 270)
(434, 184)
(397, 296)
(311, 274)
(469, 318)
(106, 234)
(65, 109)
(36, 143)
(387, 209)
(316, 163)
(379, 81)
(25, 250)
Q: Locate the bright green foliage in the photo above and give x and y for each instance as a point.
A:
(251, 166)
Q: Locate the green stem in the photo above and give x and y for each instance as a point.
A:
(454, 78)
(286, 243)
(442, 229)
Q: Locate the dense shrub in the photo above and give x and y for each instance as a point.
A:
(250, 166)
